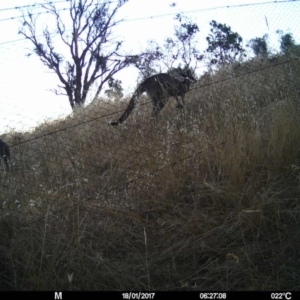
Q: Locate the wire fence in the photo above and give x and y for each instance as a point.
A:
(227, 163)
(60, 147)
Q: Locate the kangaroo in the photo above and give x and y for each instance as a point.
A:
(159, 88)
(5, 154)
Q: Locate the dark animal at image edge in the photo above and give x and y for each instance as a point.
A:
(5, 155)
(159, 87)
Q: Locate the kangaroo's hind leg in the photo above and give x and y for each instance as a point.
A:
(180, 104)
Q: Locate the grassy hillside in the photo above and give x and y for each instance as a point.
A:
(205, 199)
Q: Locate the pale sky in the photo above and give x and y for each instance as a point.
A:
(25, 83)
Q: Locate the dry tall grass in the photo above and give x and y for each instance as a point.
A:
(205, 199)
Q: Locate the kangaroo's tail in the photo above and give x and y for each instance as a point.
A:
(130, 106)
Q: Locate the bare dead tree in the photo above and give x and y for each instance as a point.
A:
(94, 54)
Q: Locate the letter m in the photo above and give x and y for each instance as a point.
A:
(58, 295)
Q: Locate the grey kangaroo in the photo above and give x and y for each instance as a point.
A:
(159, 87)
(5, 154)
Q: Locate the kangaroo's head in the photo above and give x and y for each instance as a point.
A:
(188, 79)
(188, 75)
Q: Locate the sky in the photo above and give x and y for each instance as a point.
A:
(26, 99)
